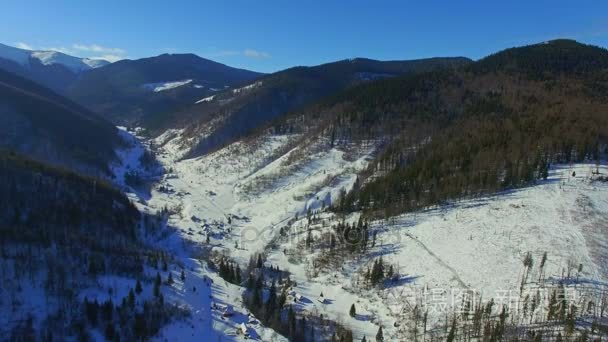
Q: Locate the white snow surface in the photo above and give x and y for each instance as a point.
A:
(247, 87)
(206, 99)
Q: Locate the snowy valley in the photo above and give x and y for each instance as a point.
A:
(270, 197)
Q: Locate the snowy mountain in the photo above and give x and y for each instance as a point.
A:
(52, 69)
(24, 57)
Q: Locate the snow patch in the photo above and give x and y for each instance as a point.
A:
(162, 86)
(206, 99)
(247, 87)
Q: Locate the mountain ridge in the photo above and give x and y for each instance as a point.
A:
(118, 91)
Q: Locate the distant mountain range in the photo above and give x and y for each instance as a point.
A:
(128, 90)
(52, 69)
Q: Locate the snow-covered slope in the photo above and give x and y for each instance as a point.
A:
(471, 248)
(75, 64)
(242, 196)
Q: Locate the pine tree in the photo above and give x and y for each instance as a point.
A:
(157, 282)
(110, 332)
(139, 326)
(353, 311)
(291, 322)
(237, 274)
(390, 272)
(91, 309)
(138, 288)
(377, 274)
(309, 238)
(543, 260)
(452, 333)
(107, 309)
(183, 276)
(551, 310)
(131, 299)
(271, 303)
(379, 335)
(256, 300)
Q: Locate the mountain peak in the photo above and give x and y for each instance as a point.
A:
(554, 56)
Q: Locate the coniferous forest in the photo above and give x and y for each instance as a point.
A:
(495, 124)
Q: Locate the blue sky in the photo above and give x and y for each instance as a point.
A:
(272, 35)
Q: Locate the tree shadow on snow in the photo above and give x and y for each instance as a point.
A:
(403, 280)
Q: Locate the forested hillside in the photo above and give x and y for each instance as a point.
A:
(60, 234)
(495, 124)
(36, 121)
(234, 113)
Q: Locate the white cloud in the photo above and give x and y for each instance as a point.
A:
(256, 54)
(24, 46)
(92, 51)
(98, 49)
(109, 58)
(58, 49)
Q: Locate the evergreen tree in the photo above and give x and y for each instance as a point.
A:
(157, 283)
(138, 288)
(390, 272)
(353, 311)
(131, 299)
(291, 322)
(237, 275)
(551, 310)
(110, 332)
(379, 335)
(309, 238)
(271, 303)
(139, 326)
(452, 333)
(91, 309)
